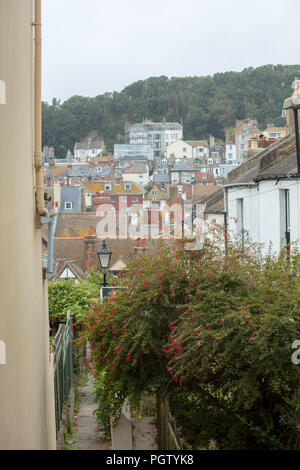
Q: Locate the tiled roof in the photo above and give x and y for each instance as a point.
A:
(270, 129)
(214, 202)
(161, 178)
(71, 194)
(72, 251)
(197, 143)
(162, 194)
(277, 160)
(135, 169)
(55, 172)
(116, 188)
(183, 167)
(93, 145)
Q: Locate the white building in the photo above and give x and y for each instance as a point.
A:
(137, 174)
(230, 155)
(262, 197)
(83, 151)
(158, 135)
(187, 150)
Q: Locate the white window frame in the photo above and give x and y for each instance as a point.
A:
(71, 204)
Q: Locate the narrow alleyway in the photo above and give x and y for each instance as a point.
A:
(88, 436)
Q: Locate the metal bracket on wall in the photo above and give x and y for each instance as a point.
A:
(51, 221)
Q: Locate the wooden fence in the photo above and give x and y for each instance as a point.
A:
(63, 368)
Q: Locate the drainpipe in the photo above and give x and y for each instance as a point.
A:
(40, 204)
(297, 139)
(293, 103)
(51, 221)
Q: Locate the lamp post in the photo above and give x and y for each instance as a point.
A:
(104, 256)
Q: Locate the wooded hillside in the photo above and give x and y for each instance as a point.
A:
(206, 105)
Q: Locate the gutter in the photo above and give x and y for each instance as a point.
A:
(40, 204)
(229, 185)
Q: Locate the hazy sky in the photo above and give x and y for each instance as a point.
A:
(94, 46)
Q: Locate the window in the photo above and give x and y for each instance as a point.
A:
(215, 154)
(107, 187)
(285, 217)
(240, 218)
(123, 198)
(127, 187)
(154, 192)
(112, 198)
(134, 198)
(99, 169)
(68, 205)
(184, 149)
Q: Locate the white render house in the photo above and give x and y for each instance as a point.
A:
(157, 134)
(187, 150)
(83, 151)
(230, 155)
(262, 197)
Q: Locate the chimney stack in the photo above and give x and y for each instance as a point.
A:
(212, 141)
(90, 241)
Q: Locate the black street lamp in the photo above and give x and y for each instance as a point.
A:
(104, 256)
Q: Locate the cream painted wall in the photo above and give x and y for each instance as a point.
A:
(26, 381)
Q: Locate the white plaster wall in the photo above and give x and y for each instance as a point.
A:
(26, 381)
(232, 151)
(270, 216)
(262, 213)
(250, 196)
(177, 147)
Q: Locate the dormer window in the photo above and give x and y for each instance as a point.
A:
(128, 187)
(99, 169)
(154, 192)
(68, 205)
(107, 187)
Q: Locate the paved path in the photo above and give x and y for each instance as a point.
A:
(88, 437)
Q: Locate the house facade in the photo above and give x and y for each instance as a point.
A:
(158, 135)
(188, 150)
(83, 151)
(262, 197)
(120, 196)
(27, 408)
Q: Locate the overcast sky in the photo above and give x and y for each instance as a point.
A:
(95, 46)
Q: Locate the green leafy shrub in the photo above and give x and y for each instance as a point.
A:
(212, 330)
